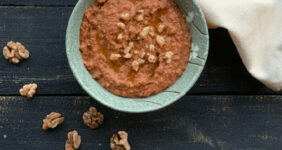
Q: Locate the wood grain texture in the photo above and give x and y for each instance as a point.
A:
(42, 31)
(195, 122)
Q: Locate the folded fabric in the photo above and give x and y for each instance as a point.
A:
(256, 29)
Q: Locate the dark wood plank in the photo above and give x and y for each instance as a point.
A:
(195, 122)
(38, 2)
(224, 72)
(42, 31)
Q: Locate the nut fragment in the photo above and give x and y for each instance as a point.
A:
(151, 58)
(136, 52)
(14, 52)
(168, 57)
(120, 37)
(161, 27)
(115, 56)
(93, 118)
(141, 61)
(127, 55)
(52, 120)
(121, 25)
(28, 90)
(127, 50)
(120, 141)
(160, 40)
(135, 65)
(144, 33)
(73, 142)
(151, 31)
(140, 11)
(140, 16)
(125, 16)
(152, 47)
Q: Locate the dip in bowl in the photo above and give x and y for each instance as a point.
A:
(141, 55)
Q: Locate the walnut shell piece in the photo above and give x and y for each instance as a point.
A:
(120, 141)
(92, 118)
(52, 120)
(74, 141)
(28, 90)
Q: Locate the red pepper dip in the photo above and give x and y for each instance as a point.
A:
(135, 48)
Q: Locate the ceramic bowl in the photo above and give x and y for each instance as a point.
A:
(199, 53)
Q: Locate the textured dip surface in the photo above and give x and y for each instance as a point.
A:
(135, 48)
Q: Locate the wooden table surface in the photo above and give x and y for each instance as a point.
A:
(226, 110)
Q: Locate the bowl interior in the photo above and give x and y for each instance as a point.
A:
(199, 53)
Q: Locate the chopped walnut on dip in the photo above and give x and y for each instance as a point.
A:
(92, 118)
(52, 120)
(120, 141)
(73, 142)
(28, 90)
(14, 52)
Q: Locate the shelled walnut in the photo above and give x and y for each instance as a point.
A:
(52, 120)
(120, 141)
(15, 52)
(74, 141)
(28, 90)
(92, 118)
(168, 57)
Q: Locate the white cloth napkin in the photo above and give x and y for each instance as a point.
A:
(256, 29)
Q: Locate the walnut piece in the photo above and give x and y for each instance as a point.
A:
(28, 90)
(52, 120)
(140, 16)
(93, 118)
(135, 65)
(14, 52)
(127, 49)
(151, 31)
(125, 16)
(161, 27)
(152, 47)
(152, 58)
(160, 40)
(141, 61)
(74, 141)
(136, 52)
(144, 33)
(168, 57)
(121, 25)
(115, 56)
(127, 56)
(120, 141)
(120, 37)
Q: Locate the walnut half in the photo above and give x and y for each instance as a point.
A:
(14, 52)
(28, 90)
(74, 141)
(93, 118)
(120, 141)
(52, 120)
